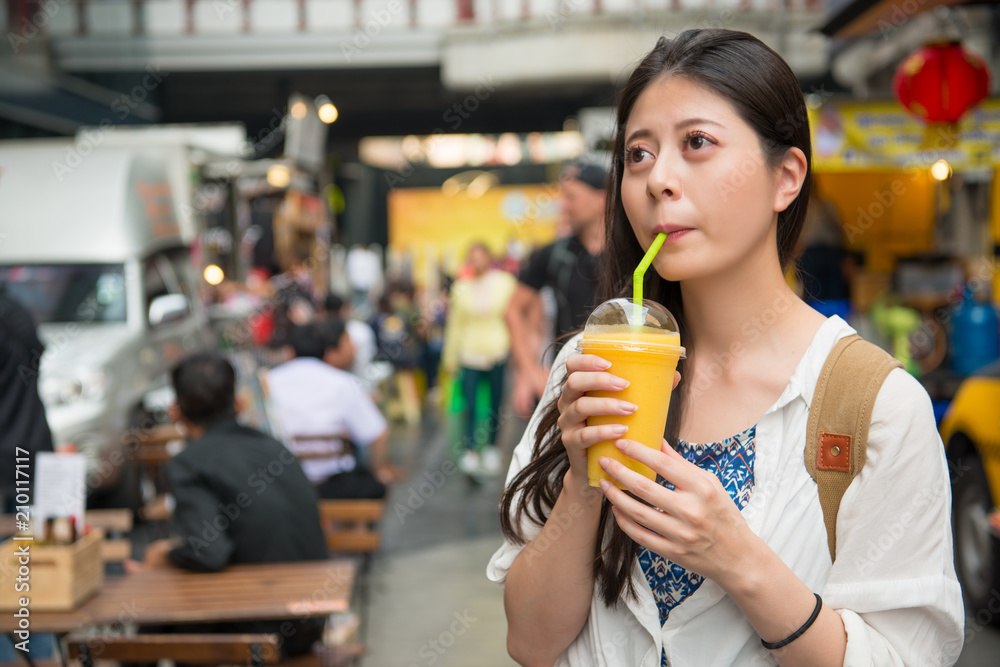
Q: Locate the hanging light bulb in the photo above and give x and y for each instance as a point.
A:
(326, 110)
(941, 170)
(299, 110)
(213, 274)
(279, 176)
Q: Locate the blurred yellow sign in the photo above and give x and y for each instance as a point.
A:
(435, 228)
(861, 136)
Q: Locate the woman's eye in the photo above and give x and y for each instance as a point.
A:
(634, 155)
(697, 141)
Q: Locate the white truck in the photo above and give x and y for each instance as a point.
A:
(98, 254)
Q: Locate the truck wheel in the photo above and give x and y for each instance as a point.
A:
(976, 550)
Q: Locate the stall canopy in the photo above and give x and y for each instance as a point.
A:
(872, 161)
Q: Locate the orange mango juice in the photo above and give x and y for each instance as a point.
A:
(647, 359)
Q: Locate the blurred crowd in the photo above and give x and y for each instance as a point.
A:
(464, 344)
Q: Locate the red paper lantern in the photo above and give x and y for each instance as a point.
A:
(941, 81)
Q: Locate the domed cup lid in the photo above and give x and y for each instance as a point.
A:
(618, 318)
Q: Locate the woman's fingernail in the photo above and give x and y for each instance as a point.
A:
(619, 429)
(629, 408)
(602, 364)
(605, 485)
(603, 462)
(620, 383)
(621, 444)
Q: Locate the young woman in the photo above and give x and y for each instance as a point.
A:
(476, 343)
(713, 148)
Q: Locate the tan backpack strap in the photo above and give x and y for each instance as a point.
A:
(839, 417)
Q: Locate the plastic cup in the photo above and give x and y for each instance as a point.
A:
(643, 346)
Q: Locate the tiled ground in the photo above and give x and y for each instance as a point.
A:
(436, 607)
(431, 603)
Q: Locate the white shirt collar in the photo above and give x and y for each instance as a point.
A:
(803, 380)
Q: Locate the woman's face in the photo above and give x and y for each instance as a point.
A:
(479, 260)
(695, 169)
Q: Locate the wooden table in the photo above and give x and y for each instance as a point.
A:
(238, 593)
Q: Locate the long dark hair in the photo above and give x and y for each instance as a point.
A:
(765, 93)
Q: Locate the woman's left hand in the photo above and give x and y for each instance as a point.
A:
(696, 525)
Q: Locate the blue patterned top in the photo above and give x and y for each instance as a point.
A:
(731, 460)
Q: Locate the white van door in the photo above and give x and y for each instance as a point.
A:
(173, 329)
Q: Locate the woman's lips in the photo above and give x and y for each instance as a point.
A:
(673, 233)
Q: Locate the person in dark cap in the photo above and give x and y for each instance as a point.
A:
(569, 267)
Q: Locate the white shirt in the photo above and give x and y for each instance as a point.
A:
(311, 397)
(893, 582)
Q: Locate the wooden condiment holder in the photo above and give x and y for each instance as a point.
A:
(60, 578)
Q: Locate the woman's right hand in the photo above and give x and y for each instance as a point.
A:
(586, 373)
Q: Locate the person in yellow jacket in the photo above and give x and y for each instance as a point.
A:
(476, 342)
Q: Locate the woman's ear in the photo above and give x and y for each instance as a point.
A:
(791, 175)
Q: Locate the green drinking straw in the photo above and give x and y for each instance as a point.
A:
(640, 273)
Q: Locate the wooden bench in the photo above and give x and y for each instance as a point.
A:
(116, 551)
(222, 649)
(352, 527)
(151, 451)
(152, 447)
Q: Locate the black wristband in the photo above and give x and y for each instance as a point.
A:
(798, 633)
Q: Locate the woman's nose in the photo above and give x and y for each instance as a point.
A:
(664, 180)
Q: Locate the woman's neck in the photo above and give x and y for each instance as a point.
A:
(739, 309)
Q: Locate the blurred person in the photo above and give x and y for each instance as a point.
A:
(228, 470)
(430, 331)
(364, 274)
(399, 343)
(362, 337)
(261, 322)
(293, 302)
(477, 343)
(394, 326)
(823, 264)
(569, 266)
(24, 430)
(318, 404)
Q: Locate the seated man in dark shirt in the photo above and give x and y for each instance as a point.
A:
(241, 496)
